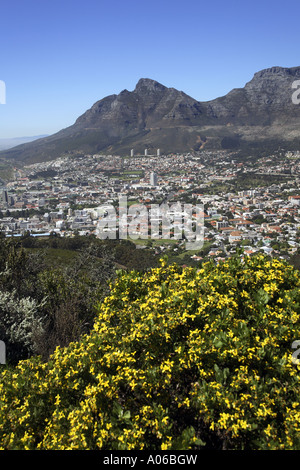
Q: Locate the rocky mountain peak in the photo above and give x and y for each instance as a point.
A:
(261, 115)
(272, 86)
(145, 85)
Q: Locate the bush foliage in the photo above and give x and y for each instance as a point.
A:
(49, 288)
(44, 305)
(178, 358)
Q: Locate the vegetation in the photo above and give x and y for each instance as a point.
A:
(248, 180)
(6, 170)
(49, 288)
(178, 358)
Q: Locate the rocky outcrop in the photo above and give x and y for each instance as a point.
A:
(260, 115)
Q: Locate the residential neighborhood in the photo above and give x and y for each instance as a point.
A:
(248, 202)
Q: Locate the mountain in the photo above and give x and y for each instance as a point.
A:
(259, 116)
(14, 141)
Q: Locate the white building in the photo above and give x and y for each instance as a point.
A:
(153, 178)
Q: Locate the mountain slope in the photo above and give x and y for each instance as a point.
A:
(260, 115)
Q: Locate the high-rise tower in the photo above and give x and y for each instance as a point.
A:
(153, 178)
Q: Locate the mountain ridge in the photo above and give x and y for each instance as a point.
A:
(258, 116)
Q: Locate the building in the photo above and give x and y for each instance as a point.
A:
(221, 224)
(153, 178)
(235, 236)
(295, 200)
(5, 197)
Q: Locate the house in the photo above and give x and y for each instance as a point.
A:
(274, 228)
(244, 223)
(295, 200)
(235, 236)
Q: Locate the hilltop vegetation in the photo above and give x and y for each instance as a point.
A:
(49, 288)
(177, 358)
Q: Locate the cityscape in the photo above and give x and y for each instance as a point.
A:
(253, 203)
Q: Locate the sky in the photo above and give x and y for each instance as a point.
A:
(59, 57)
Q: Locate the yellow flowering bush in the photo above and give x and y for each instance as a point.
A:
(179, 358)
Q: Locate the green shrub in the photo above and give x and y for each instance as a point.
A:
(179, 358)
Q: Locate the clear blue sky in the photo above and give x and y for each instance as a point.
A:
(59, 57)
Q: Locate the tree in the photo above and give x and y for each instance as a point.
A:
(21, 324)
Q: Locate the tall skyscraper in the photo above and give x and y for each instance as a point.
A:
(153, 178)
(5, 196)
